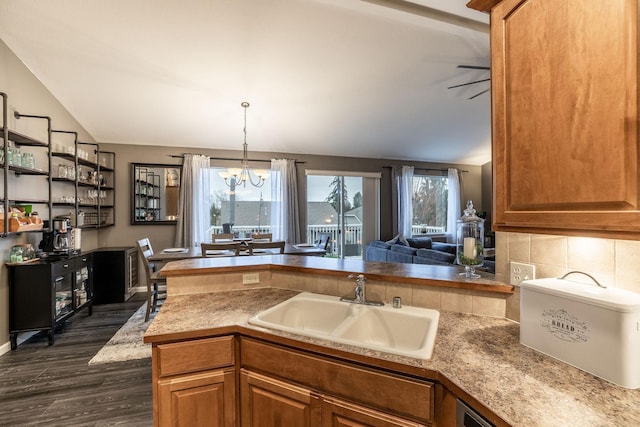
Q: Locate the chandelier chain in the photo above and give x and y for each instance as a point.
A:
(245, 174)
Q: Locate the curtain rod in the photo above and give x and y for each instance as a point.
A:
(181, 156)
(432, 169)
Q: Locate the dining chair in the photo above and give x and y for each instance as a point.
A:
(266, 245)
(156, 284)
(221, 249)
(215, 237)
(262, 237)
(323, 241)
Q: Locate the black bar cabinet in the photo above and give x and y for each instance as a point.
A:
(44, 294)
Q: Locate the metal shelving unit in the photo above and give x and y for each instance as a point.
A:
(147, 197)
(14, 171)
(101, 164)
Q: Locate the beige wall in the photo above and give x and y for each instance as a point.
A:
(162, 235)
(611, 262)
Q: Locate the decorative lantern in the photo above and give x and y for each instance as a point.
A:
(470, 241)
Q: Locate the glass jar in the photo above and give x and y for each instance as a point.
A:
(470, 241)
(15, 254)
(62, 171)
(28, 252)
(10, 155)
(27, 161)
(15, 157)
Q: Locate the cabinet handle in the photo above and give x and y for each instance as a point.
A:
(65, 265)
(59, 279)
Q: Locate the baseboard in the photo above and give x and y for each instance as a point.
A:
(6, 347)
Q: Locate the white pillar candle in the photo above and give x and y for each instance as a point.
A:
(469, 247)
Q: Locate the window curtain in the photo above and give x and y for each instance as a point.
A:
(454, 197)
(405, 215)
(285, 218)
(194, 218)
(402, 198)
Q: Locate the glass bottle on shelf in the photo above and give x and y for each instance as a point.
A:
(14, 156)
(10, 154)
(17, 157)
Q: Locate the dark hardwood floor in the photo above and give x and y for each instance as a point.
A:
(55, 386)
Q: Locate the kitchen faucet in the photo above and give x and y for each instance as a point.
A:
(360, 294)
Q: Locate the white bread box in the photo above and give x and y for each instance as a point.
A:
(593, 328)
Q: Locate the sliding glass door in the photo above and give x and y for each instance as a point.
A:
(345, 206)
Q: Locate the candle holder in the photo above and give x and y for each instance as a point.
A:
(470, 242)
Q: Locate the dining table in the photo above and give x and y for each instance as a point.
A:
(176, 254)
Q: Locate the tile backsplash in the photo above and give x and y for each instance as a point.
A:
(614, 263)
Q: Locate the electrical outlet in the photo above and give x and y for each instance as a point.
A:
(521, 271)
(250, 278)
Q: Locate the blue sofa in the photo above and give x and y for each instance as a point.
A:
(418, 251)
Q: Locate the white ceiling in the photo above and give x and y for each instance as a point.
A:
(334, 77)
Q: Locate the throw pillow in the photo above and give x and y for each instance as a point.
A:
(420, 243)
(398, 240)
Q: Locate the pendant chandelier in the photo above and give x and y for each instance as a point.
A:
(240, 176)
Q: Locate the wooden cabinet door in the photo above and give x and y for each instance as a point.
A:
(267, 402)
(202, 399)
(564, 111)
(338, 413)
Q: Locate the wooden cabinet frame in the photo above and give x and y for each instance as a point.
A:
(241, 380)
(565, 117)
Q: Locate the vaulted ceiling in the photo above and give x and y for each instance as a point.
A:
(363, 78)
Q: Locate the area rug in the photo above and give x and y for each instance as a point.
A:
(127, 343)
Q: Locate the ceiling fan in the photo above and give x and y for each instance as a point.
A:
(473, 67)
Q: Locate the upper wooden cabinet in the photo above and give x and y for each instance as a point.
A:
(564, 116)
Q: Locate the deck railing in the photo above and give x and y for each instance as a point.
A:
(353, 238)
(417, 229)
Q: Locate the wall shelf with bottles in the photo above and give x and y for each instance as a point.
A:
(25, 163)
(97, 185)
(79, 177)
(81, 184)
(64, 191)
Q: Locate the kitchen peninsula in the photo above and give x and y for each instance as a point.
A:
(477, 358)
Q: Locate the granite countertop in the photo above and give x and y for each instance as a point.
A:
(480, 355)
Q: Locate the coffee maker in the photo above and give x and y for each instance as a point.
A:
(57, 240)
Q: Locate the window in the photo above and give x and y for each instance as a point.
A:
(247, 208)
(429, 202)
